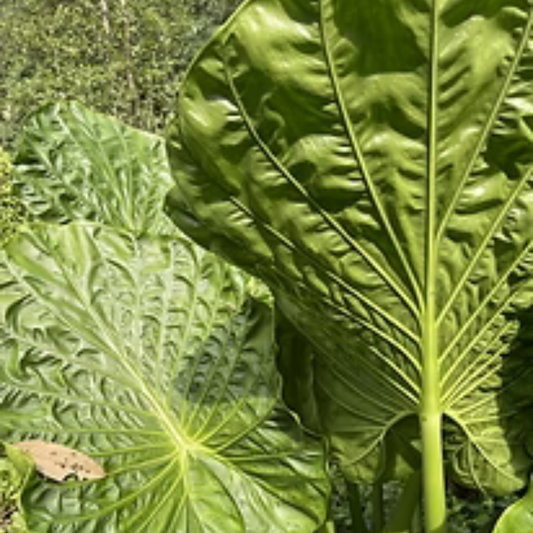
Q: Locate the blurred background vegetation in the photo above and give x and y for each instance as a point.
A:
(122, 57)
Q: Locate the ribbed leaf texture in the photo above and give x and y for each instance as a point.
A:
(144, 351)
(372, 161)
(149, 355)
(73, 163)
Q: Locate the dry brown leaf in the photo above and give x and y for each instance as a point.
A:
(57, 462)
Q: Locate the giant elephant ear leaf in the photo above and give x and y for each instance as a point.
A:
(148, 355)
(74, 163)
(372, 161)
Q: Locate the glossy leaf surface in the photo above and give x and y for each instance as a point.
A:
(517, 518)
(148, 355)
(73, 163)
(372, 161)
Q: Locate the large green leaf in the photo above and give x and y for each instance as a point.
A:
(372, 161)
(73, 163)
(149, 355)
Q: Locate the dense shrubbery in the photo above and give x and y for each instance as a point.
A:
(125, 58)
(11, 212)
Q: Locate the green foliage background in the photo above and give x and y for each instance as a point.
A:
(122, 57)
(11, 214)
(126, 58)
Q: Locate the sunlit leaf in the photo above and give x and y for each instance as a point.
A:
(372, 161)
(73, 163)
(517, 518)
(16, 470)
(148, 355)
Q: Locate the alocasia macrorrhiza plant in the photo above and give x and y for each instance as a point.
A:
(121, 338)
(372, 161)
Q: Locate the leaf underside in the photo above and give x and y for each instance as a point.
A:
(373, 164)
(149, 355)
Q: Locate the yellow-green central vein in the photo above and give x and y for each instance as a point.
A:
(430, 408)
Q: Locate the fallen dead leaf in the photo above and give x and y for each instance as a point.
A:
(57, 462)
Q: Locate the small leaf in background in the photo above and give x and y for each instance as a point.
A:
(11, 212)
(58, 462)
(518, 518)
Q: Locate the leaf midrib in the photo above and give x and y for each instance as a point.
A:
(430, 397)
(115, 349)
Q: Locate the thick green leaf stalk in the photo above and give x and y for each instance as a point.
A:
(372, 161)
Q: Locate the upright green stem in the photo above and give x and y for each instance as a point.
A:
(416, 526)
(356, 508)
(430, 409)
(328, 527)
(433, 472)
(377, 507)
(401, 520)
